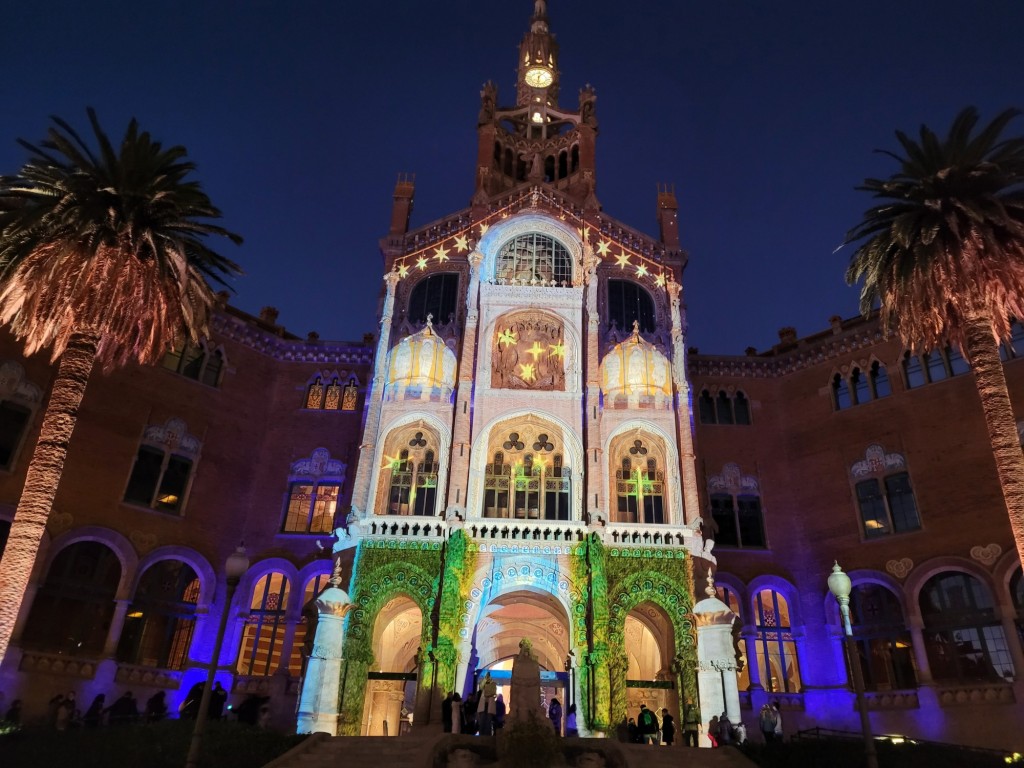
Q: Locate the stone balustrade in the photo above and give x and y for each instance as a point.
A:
(133, 674)
(978, 693)
(58, 664)
(403, 526)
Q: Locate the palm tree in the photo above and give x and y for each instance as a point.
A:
(102, 260)
(942, 253)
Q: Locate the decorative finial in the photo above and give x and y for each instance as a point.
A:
(709, 590)
(636, 327)
(430, 321)
(335, 580)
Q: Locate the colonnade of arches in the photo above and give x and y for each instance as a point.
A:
(949, 622)
(96, 598)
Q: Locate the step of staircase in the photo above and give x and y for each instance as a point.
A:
(416, 751)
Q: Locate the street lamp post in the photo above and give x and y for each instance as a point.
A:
(235, 567)
(840, 586)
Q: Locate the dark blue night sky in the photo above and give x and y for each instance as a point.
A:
(300, 115)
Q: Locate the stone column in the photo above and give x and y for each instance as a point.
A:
(924, 669)
(318, 700)
(594, 498)
(364, 471)
(716, 660)
(684, 423)
(116, 625)
(458, 479)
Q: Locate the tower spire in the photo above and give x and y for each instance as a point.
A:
(538, 62)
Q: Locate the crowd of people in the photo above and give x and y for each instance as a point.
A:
(63, 712)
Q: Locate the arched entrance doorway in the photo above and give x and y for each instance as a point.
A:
(391, 684)
(649, 641)
(534, 615)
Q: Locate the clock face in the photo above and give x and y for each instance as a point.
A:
(538, 77)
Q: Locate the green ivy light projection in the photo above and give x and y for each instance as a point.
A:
(383, 571)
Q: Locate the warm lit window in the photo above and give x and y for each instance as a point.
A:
(534, 259)
(159, 479)
(962, 633)
(629, 303)
(332, 396)
(775, 647)
(882, 637)
(196, 362)
(162, 615)
(265, 627)
(72, 611)
(885, 498)
(163, 467)
(311, 507)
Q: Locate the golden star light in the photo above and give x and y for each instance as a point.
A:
(528, 371)
(641, 271)
(507, 337)
(660, 280)
(483, 229)
(602, 247)
(403, 271)
(557, 350)
(421, 263)
(441, 254)
(461, 243)
(622, 260)
(536, 350)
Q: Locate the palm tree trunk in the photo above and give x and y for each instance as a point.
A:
(42, 479)
(983, 352)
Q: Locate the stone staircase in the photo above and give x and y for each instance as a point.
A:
(416, 750)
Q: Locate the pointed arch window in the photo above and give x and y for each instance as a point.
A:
(540, 488)
(841, 392)
(639, 486)
(497, 485)
(628, 302)
(436, 295)
(197, 362)
(775, 646)
(723, 408)
(161, 618)
(412, 485)
(264, 631)
(350, 395)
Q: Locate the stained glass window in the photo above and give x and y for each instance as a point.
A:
(333, 399)
(350, 395)
(315, 394)
(776, 650)
(264, 631)
(311, 507)
(534, 259)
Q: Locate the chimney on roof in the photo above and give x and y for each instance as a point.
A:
(787, 335)
(837, 324)
(269, 315)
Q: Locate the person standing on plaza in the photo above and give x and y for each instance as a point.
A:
(555, 716)
(668, 728)
(647, 725)
(691, 723)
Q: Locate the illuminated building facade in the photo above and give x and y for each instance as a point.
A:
(527, 449)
